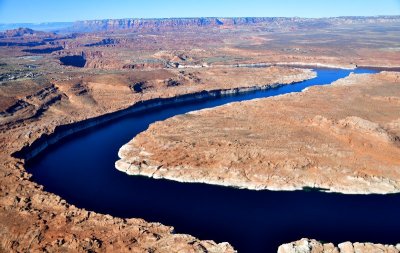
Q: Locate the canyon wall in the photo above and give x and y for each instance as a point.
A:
(179, 23)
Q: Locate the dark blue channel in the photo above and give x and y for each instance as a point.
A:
(81, 170)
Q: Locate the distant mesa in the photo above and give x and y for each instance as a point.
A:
(19, 32)
(165, 24)
(25, 37)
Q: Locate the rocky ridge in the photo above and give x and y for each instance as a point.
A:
(210, 22)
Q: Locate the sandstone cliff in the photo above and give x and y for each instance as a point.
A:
(193, 23)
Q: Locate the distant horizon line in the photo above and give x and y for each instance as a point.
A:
(161, 18)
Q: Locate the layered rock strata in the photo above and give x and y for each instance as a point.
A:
(208, 22)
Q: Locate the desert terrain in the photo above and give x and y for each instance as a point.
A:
(332, 137)
(93, 68)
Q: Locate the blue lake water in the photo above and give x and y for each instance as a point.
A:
(81, 170)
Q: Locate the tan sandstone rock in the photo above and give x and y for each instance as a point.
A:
(312, 246)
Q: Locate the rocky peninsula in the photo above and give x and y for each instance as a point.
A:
(329, 137)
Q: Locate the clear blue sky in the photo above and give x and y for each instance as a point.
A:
(17, 11)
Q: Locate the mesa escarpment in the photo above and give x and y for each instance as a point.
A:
(270, 23)
(181, 43)
(331, 137)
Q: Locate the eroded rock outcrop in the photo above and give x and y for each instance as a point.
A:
(312, 246)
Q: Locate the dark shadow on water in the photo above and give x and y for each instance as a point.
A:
(314, 189)
(81, 170)
(46, 50)
(73, 60)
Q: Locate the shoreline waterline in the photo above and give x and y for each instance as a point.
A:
(80, 169)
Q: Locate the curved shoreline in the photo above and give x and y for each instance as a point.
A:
(62, 131)
(125, 167)
(19, 156)
(137, 160)
(31, 151)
